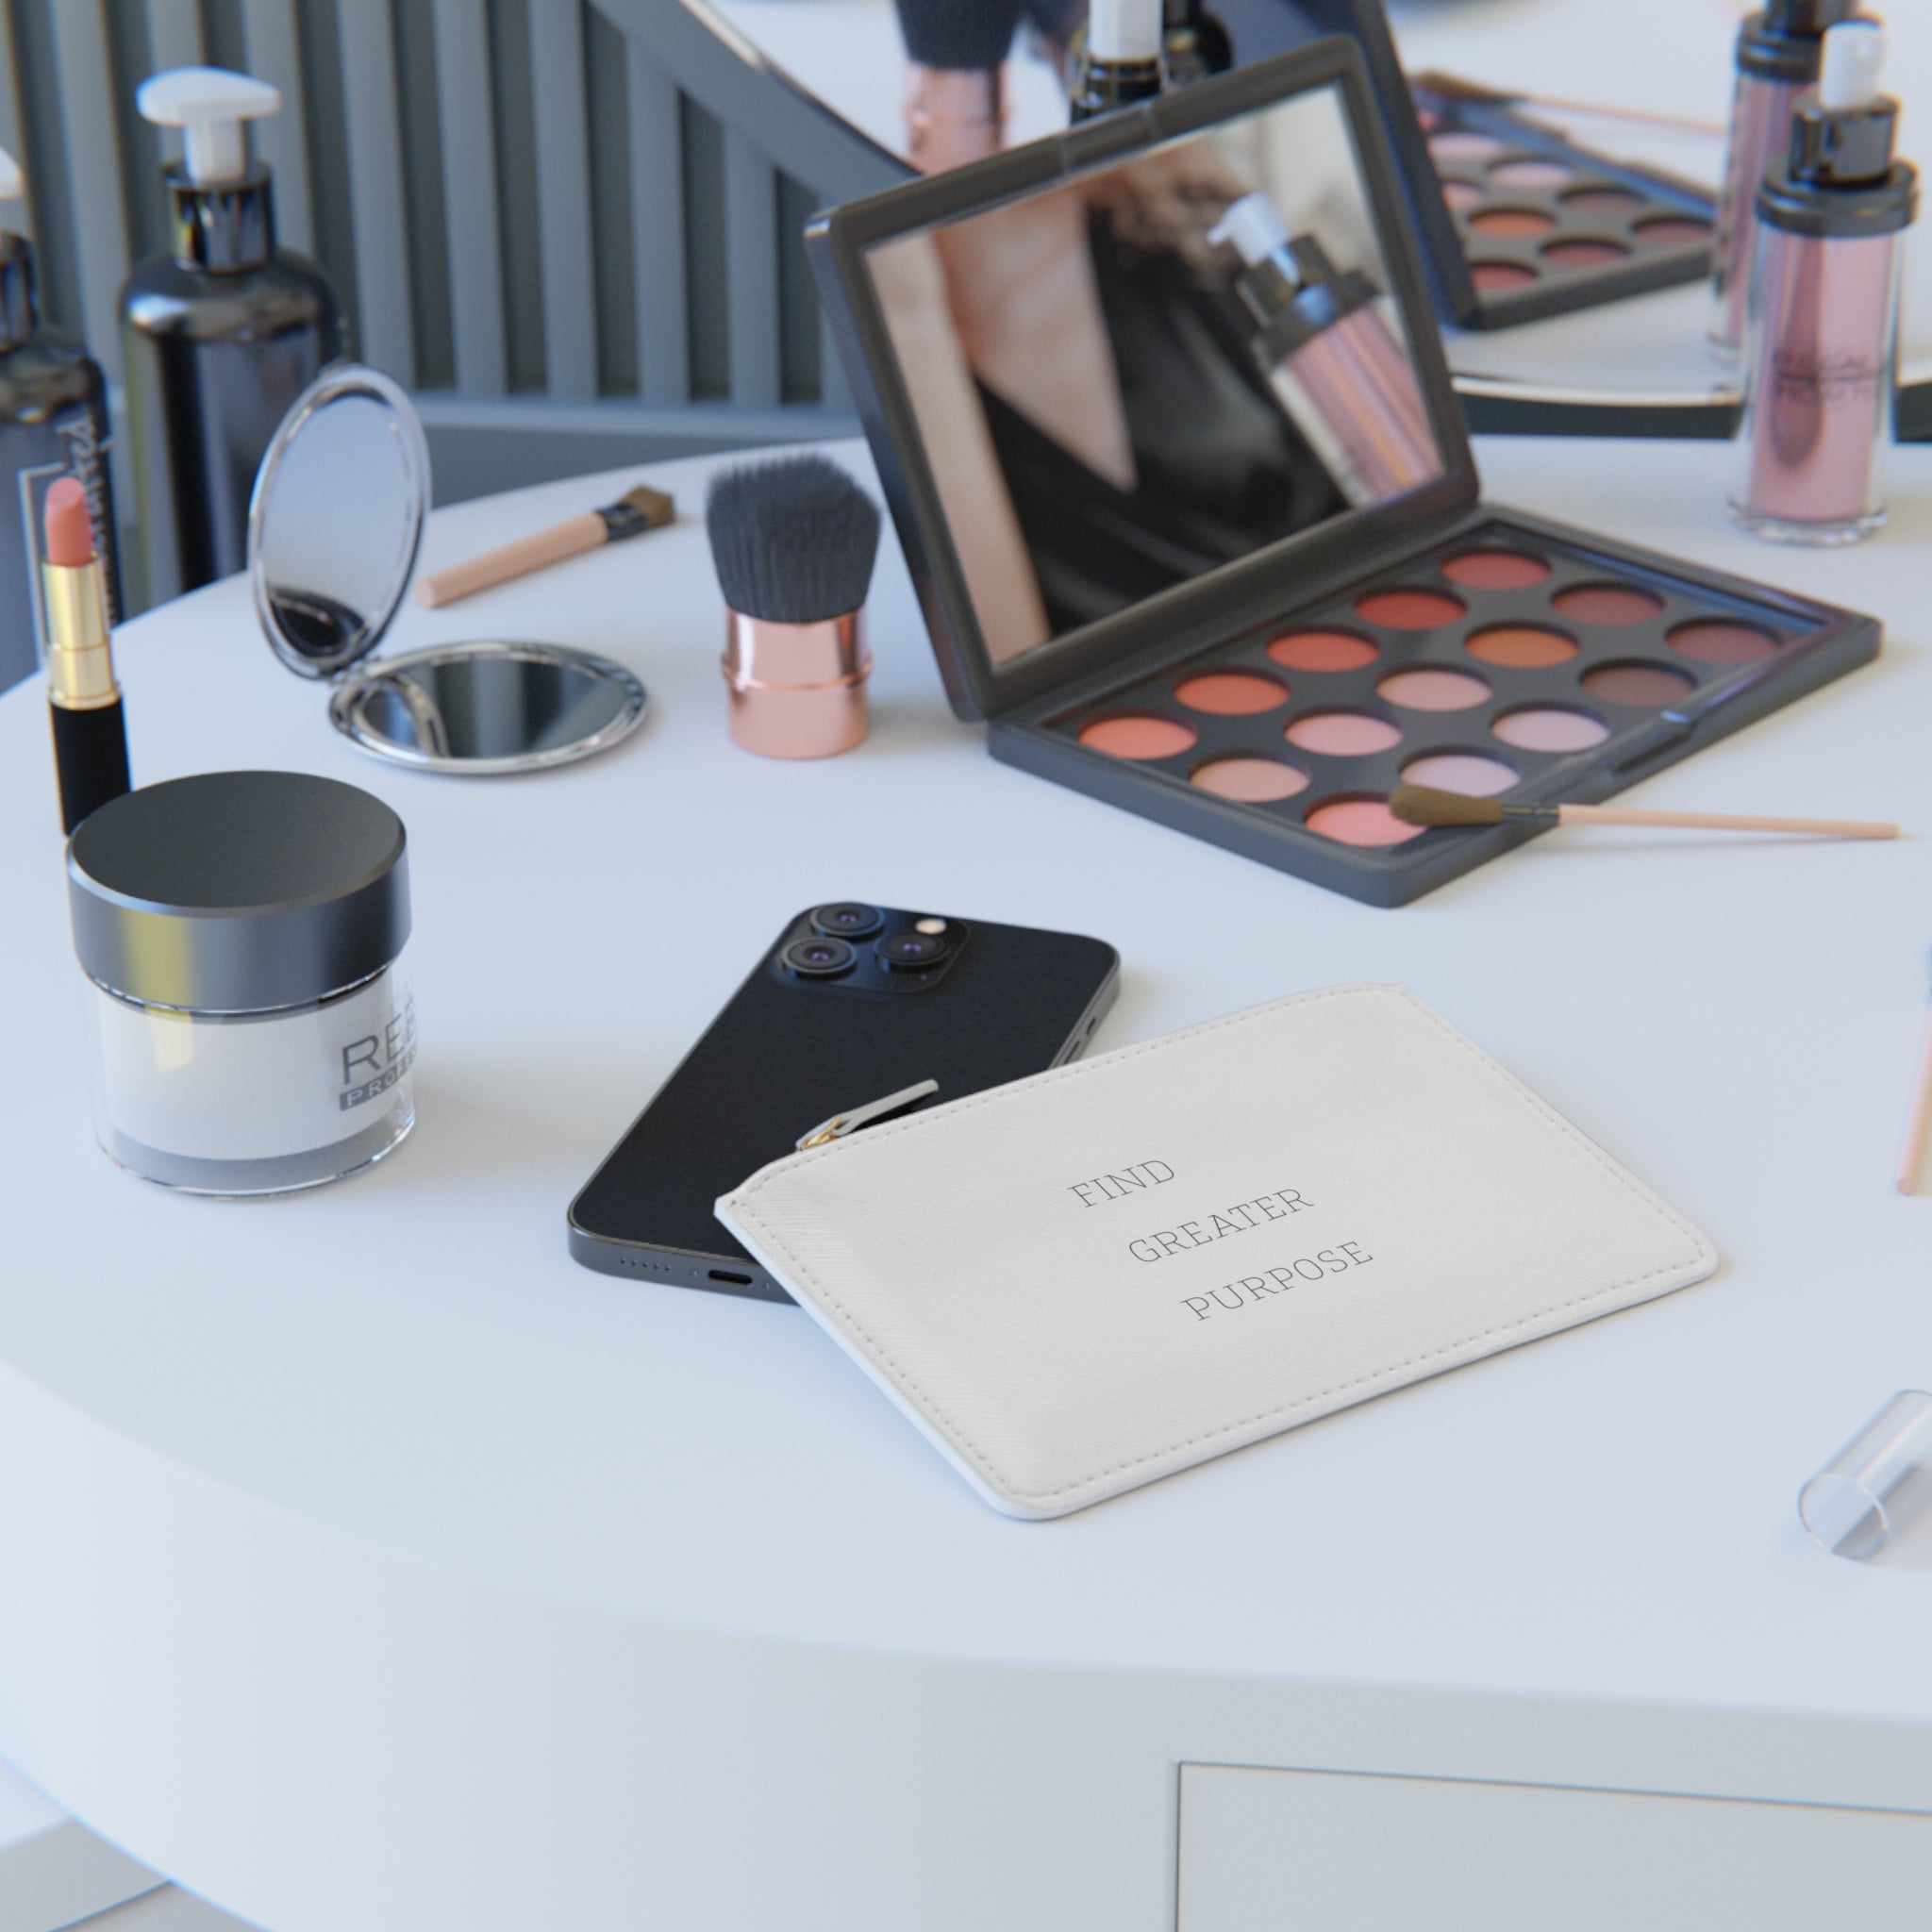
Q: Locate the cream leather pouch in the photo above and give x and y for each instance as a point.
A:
(1107, 1272)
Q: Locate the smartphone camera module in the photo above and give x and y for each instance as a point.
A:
(914, 951)
(847, 919)
(819, 959)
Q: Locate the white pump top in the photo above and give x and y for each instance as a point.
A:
(209, 105)
(12, 184)
(1848, 71)
(1254, 226)
(1124, 30)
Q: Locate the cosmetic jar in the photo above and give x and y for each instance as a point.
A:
(243, 934)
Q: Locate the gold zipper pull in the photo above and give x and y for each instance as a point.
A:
(843, 1124)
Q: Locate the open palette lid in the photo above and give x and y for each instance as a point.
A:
(1133, 383)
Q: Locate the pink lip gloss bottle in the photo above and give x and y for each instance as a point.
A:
(1331, 357)
(1778, 59)
(1821, 324)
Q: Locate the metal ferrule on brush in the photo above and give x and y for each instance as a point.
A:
(796, 691)
(80, 661)
(954, 114)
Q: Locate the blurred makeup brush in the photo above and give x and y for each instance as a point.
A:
(1918, 1122)
(956, 54)
(1422, 805)
(633, 514)
(1455, 88)
(793, 542)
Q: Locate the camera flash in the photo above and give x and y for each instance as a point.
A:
(931, 925)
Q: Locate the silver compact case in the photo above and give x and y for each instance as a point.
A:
(244, 933)
(334, 526)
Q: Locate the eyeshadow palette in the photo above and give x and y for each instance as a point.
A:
(1512, 659)
(1546, 227)
(1135, 396)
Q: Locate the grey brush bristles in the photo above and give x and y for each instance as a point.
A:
(968, 35)
(793, 541)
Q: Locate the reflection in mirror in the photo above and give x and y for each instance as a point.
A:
(1132, 378)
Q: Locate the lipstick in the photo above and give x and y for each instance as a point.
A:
(84, 701)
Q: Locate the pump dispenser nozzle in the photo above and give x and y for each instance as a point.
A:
(1254, 224)
(209, 105)
(1849, 66)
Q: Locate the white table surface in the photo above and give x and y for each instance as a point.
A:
(378, 1562)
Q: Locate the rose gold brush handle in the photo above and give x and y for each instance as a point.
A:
(537, 551)
(1721, 821)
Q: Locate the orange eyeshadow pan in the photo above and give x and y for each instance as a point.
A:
(1252, 781)
(1135, 736)
(1230, 694)
(1584, 253)
(1495, 570)
(1673, 231)
(1606, 603)
(1513, 222)
(1719, 641)
(1361, 822)
(1493, 277)
(1522, 647)
(1409, 609)
(1322, 650)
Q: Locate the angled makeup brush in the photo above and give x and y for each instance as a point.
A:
(1422, 805)
(633, 514)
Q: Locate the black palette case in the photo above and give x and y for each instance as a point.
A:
(1274, 690)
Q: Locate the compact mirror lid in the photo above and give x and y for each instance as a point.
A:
(336, 519)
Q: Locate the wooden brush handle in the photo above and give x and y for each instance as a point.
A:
(571, 537)
(1918, 1124)
(1721, 822)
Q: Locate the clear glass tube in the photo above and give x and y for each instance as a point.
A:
(1761, 132)
(1875, 1484)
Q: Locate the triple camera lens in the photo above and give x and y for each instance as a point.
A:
(820, 959)
(847, 919)
(911, 952)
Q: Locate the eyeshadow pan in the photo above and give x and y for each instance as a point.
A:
(1464, 144)
(1673, 231)
(1584, 253)
(1251, 780)
(1137, 736)
(1429, 688)
(1321, 650)
(1495, 570)
(1467, 771)
(1491, 277)
(1343, 734)
(1635, 683)
(1531, 171)
(1607, 604)
(1512, 222)
(1230, 694)
(1546, 728)
(1361, 822)
(1460, 195)
(1522, 647)
(1602, 201)
(1407, 610)
(1723, 641)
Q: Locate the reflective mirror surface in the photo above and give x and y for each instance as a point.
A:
(490, 708)
(1155, 368)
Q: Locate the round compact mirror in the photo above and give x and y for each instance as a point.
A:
(333, 530)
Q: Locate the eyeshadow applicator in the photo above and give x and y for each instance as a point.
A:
(84, 701)
(1423, 805)
(633, 514)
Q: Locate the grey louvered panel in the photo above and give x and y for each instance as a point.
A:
(274, 54)
(469, 188)
(375, 188)
(563, 197)
(656, 207)
(751, 272)
(88, 123)
(173, 37)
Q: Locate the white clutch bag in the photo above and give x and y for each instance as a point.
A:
(1086, 1280)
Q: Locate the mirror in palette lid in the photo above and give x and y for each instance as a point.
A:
(334, 529)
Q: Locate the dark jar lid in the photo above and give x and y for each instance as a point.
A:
(238, 891)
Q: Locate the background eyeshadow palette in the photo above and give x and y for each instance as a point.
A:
(1545, 227)
(1512, 659)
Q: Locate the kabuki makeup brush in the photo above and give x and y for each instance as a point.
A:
(1423, 805)
(84, 701)
(633, 514)
(794, 543)
(955, 103)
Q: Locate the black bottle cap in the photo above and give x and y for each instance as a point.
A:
(20, 302)
(221, 227)
(1835, 145)
(238, 891)
(1781, 42)
(1839, 179)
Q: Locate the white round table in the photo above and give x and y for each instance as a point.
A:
(364, 1561)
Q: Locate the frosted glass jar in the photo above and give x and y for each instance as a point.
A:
(254, 1027)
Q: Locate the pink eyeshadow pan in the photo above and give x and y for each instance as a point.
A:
(1603, 201)
(1230, 694)
(1409, 609)
(1607, 604)
(1322, 650)
(1427, 688)
(1491, 277)
(1461, 194)
(1251, 780)
(1638, 684)
(1584, 253)
(1717, 641)
(1361, 822)
(1530, 171)
(1465, 772)
(1550, 729)
(1459, 144)
(1513, 222)
(1135, 736)
(1343, 734)
(1673, 231)
(1495, 570)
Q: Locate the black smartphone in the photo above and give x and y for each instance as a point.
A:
(852, 1004)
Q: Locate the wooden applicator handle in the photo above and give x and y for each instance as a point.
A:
(571, 537)
(1721, 821)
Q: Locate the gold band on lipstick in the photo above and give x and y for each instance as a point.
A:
(80, 662)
